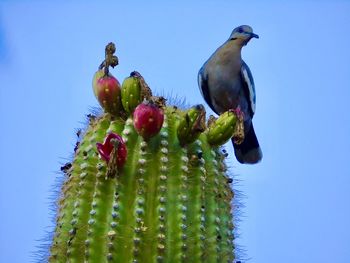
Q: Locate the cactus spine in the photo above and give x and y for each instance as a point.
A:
(170, 201)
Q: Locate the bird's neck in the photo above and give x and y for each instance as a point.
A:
(230, 54)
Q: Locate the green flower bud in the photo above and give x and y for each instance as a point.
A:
(131, 93)
(191, 125)
(134, 90)
(222, 129)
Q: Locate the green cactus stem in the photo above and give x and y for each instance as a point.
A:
(169, 203)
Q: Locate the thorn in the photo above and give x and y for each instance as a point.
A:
(76, 146)
(66, 167)
(91, 117)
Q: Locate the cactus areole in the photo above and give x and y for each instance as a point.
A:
(148, 182)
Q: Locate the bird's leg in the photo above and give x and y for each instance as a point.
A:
(238, 135)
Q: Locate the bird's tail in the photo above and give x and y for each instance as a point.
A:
(249, 150)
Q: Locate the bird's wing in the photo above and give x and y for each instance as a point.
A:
(249, 88)
(203, 87)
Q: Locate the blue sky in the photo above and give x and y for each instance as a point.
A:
(297, 199)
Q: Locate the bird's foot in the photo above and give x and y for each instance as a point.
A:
(238, 112)
(238, 135)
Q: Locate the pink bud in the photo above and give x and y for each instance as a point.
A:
(148, 119)
(108, 93)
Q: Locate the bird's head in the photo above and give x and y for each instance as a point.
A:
(242, 34)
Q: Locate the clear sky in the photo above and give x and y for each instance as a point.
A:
(297, 199)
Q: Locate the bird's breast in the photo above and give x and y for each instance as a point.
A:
(225, 92)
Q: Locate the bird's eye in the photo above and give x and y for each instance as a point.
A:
(240, 30)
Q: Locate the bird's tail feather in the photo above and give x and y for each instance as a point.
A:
(249, 150)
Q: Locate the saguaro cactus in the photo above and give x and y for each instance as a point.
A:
(134, 198)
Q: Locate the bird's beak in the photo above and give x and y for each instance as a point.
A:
(253, 35)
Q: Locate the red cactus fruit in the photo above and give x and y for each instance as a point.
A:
(105, 150)
(148, 119)
(108, 92)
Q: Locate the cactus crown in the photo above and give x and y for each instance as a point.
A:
(148, 182)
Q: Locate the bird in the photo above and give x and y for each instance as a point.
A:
(226, 83)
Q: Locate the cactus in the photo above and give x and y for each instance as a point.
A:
(162, 200)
